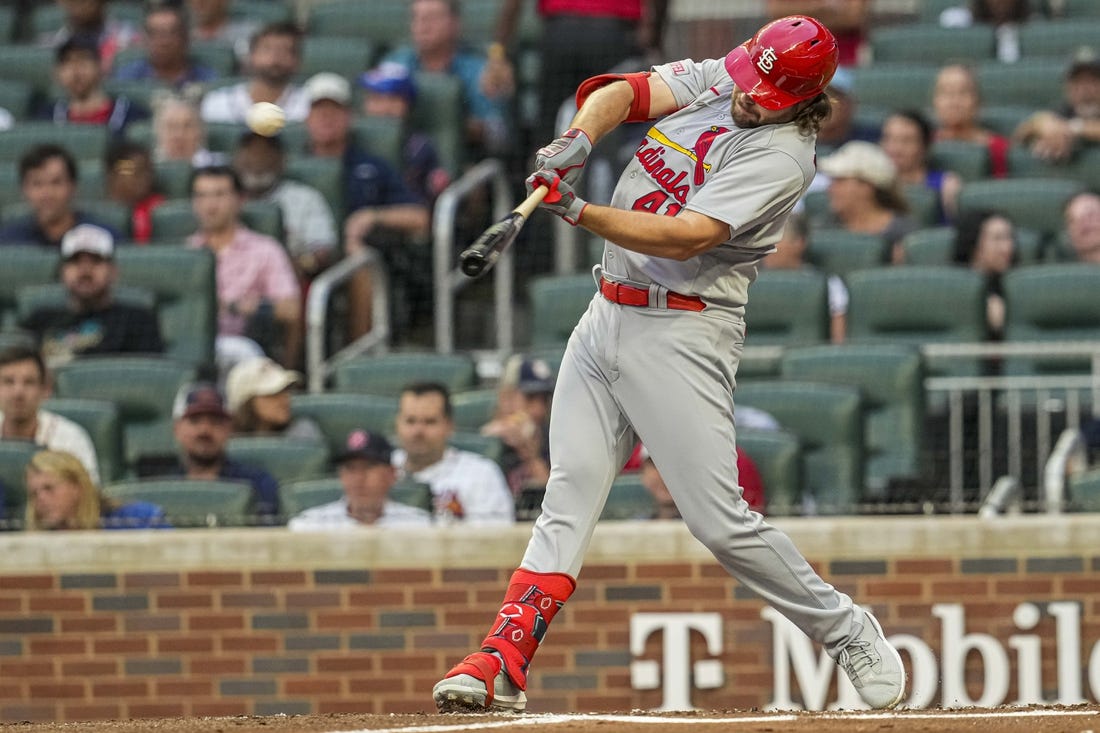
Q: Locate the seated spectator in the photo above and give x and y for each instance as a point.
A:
(985, 241)
(167, 58)
(211, 21)
(24, 386)
(80, 77)
(956, 102)
(131, 181)
(435, 31)
(366, 475)
(1082, 217)
(257, 289)
(1055, 134)
(1005, 16)
(790, 254)
(523, 423)
(61, 495)
(180, 134)
(907, 139)
(390, 92)
(310, 228)
(202, 426)
(864, 195)
(465, 486)
(274, 59)
(258, 392)
(48, 178)
(93, 321)
(89, 18)
(748, 477)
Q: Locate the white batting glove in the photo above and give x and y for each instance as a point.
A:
(566, 155)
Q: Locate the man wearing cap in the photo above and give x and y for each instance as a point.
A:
(654, 358)
(93, 321)
(525, 430)
(1055, 134)
(202, 426)
(366, 476)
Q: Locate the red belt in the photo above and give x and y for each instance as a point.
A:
(624, 294)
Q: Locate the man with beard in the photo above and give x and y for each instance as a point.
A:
(274, 58)
(202, 427)
(92, 322)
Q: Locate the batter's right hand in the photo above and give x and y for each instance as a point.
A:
(566, 155)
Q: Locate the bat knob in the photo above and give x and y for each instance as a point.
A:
(472, 263)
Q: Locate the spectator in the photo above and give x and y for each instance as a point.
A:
(848, 20)
(168, 52)
(957, 102)
(748, 477)
(790, 254)
(24, 385)
(985, 241)
(1055, 134)
(366, 475)
(258, 392)
(465, 486)
(79, 75)
(864, 195)
(274, 59)
(212, 21)
(307, 218)
(257, 289)
(523, 424)
(1082, 217)
(1006, 17)
(435, 30)
(93, 321)
(842, 125)
(907, 139)
(390, 92)
(89, 18)
(131, 181)
(48, 178)
(61, 495)
(384, 213)
(202, 426)
(180, 133)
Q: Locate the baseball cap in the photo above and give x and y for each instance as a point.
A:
(87, 238)
(258, 376)
(365, 444)
(863, 160)
(199, 398)
(328, 85)
(1085, 60)
(535, 377)
(389, 78)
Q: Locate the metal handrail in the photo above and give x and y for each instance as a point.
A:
(318, 367)
(1069, 456)
(448, 278)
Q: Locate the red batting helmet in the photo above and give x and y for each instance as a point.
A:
(787, 61)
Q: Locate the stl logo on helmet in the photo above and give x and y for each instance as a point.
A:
(767, 59)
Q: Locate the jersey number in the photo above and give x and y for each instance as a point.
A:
(653, 201)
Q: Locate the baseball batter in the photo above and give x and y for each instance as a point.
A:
(654, 357)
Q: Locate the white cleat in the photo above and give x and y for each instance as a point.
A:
(464, 693)
(874, 666)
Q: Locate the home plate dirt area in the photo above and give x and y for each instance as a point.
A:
(1033, 719)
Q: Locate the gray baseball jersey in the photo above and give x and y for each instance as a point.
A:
(667, 376)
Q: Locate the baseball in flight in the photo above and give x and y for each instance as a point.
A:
(265, 118)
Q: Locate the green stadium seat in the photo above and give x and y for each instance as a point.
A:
(387, 374)
(1036, 83)
(222, 137)
(828, 420)
(924, 204)
(557, 303)
(348, 57)
(31, 64)
(190, 503)
(414, 493)
(381, 136)
(1057, 39)
(14, 455)
(174, 221)
(1084, 166)
(54, 295)
(337, 414)
(140, 92)
(1084, 491)
(13, 338)
(1052, 302)
(7, 24)
(83, 141)
(298, 496)
(473, 441)
(1004, 118)
(970, 161)
(777, 455)
(218, 56)
(24, 265)
(894, 86)
(628, 499)
(110, 213)
(262, 11)
(930, 246)
(839, 252)
(381, 24)
(891, 382)
(918, 43)
(439, 112)
(785, 308)
(173, 178)
(286, 459)
(49, 17)
(100, 419)
(265, 217)
(1034, 203)
(324, 174)
(16, 96)
(473, 408)
(929, 11)
(1080, 8)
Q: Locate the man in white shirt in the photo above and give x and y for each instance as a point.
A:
(366, 475)
(465, 486)
(274, 58)
(23, 387)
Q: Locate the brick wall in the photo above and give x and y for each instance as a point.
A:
(226, 622)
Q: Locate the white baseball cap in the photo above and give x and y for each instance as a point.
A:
(258, 376)
(328, 85)
(87, 238)
(863, 160)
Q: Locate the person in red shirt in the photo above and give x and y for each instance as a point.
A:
(752, 485)
(131, 181)
(78, 72)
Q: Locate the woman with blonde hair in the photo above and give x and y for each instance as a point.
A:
(61, 495)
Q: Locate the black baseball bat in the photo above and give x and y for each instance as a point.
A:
(480, 256)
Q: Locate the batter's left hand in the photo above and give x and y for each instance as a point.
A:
(561, 200)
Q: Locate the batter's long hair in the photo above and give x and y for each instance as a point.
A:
(811, 116)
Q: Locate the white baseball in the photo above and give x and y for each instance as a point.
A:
(265, 118)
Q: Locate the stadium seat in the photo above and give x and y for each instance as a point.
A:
(381, 136)
(381, 24)
(785, 308)
(1083, 166)
(112, 214)
(628, 499)
(917, 43)
(7, 24)
(387, 374)
(440, 113)
(1036, 83)
(173, 178)
(1084, 491)
(930, 246)
(100, 419)
(348, 57)
(140, 92)
(557, 303)
(262, 11)
(286, 459)
(924, 204)
(23, 266)
(970, 161)
(54, 295)
(12, 338)
(473, 408)
(484, 445)
(173, 220)
(1035, 203)
(894, 86)
(83, 141)
(1079, 8)
(777, 455)
(222, 137)
(49, 17)
(929, 10)
(297, 496)
(29, 63)
(1057, 39)
(16, 95)
(190, 503)
(218, 56)
(839, 252)
(338, 414)
(14, 455)
(891, 383)
(1052, 302)
(1003, 118)
(828, 420)
(324, 174)
(414, 493)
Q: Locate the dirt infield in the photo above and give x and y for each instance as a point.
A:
(1054, 719)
